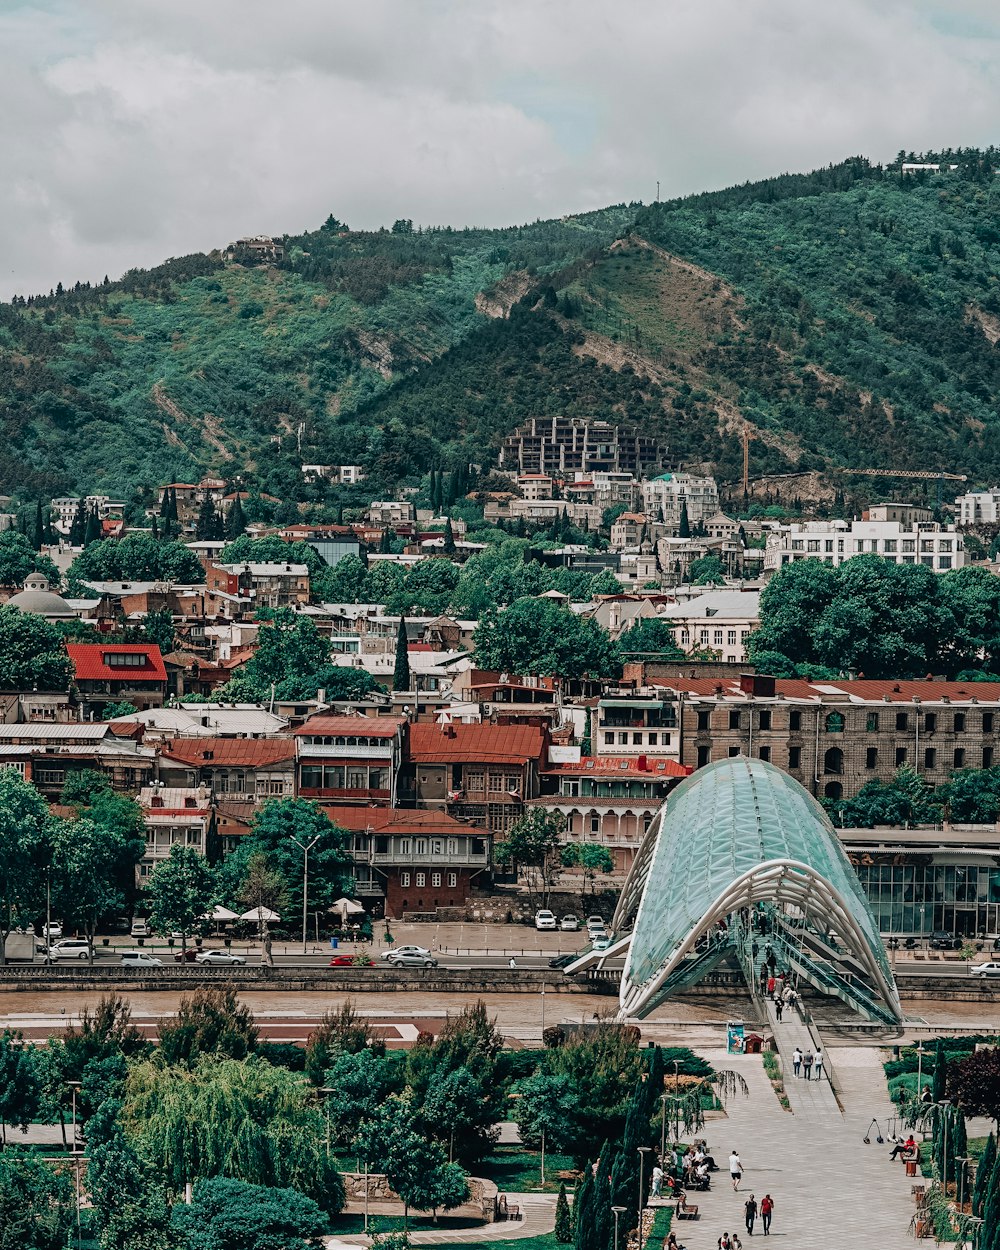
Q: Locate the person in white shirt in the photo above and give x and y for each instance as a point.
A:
(735, 1170)
(657, 1180)
(818, 1063)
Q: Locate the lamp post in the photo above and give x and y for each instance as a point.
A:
(663, 1125)
(618, 1212)
(74, 1086)
(643, 1151)
(945, 1105)
(543, 1154)
(543, 1011)
(305, 848)
(964, 1160)
(920, 1065)
(326, 1091)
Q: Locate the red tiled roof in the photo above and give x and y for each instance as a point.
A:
(395, 820)
(461, 743)
(611, 766)
(356, 726)
(230, 752)
(89, 661)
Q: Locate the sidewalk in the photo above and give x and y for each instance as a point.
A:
(812, 1099)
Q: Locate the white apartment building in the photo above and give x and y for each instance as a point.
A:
(663, 498)
(940, 548)
(64, 510)
(391, 512)
(978, 507)
(719, 619)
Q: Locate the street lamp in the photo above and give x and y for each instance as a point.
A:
(945, 1105)
(326, 1091)
(643, 1151)
(74, 1086)
(305, 848)
(964, 1160)
(618, 1212)
(920, 1065)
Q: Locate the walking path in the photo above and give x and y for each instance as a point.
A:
(812, 1099)
(538, 1216)
(828, 1187)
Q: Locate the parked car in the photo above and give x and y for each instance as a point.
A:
(545, 919)
(601, 941)
(561, 961)
(53, 930)
(393, 951)
(404, 958)
(140, 928)
(989, 969)
(140, 959)
(219, 957)
(70, 948)
(569, 924)
(351, 961)
(942, 940)
(596, 923)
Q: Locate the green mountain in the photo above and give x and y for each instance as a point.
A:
(848, 316)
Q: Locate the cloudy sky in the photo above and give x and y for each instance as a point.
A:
(141, 129)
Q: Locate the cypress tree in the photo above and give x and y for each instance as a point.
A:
(156, 532)
(564, 1217)
(940, 1082)
(401, 673)
(990, 1239)
(93, 532)
(684, 525)
(958, 1148)
(449, 538)
(38, 538)
(385, 542)
(583, 1212)
(236, 522)
(207, 525)
(987, 1161)
(603, 1217)
(78, 526)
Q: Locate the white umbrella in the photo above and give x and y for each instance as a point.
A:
(219, 912)
(347, 907)
(260, 913)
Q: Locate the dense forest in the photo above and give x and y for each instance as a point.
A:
(849, 316)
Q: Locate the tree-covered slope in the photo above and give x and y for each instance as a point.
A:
(850, 316)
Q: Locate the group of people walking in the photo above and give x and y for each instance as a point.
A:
(807, 1064)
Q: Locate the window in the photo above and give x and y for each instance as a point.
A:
(959, 760)
(475, 781)
(125, 659)
(421, 847)
(731, 638)
(794, 721)
(421, 879)
(609, 739)
(357, 778)
(734, 719)
(595, 823)
(651, 739)
(404, 879)
(987, 722)
(944, 544)
(733, 751)
(930, 722)
(405, 845)
(311, 777)
(704, 722)
(987, 757)
(794, 757)
(834, 723)
(900, 756)
(435, 879)
(890, 544)
(871, 757)
(765, 753)
(944, 562)
(717, 637)
(704, 756)
(909, 544)
(833, 760)
(930, 758)
(959, 723)
(765, 719)
(833, 790)
(452, 879)
(828, 545)
(623, 739)
(902, 721)
(637, 740)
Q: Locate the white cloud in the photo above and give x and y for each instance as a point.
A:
(147, 128)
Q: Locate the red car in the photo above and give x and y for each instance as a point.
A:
(187, 954)
(350, 961)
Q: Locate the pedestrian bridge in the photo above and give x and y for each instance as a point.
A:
(742, 861)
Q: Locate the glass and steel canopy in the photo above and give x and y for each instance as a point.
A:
(741, 839)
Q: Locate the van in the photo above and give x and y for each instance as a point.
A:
(140, 927)
(140, 959)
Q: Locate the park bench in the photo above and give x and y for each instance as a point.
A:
(513, 1213)
(687, 1211)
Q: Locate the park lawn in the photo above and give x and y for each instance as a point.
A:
(516, 1169)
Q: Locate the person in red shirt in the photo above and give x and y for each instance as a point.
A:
(766, 1208)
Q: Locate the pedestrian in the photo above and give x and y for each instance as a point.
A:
(671, 1242)
(807, 1064)
(778, 1009)
(725, 1242)
(796, 1060)
(766, 1207)
(754, 948)
(750, 1213)
(818, 1062)
(770, 987)
(735, 1170)
(735, 1242)
(512, 964)
(657, 1180)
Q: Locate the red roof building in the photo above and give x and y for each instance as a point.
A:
(235, 769)
(350, 759)
(116, 672)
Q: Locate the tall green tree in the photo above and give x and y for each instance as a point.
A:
(684, 524)
(38, 533)
(984, 1170)
(32, 653)
(235, 520)
(209, 1021)
(20, 1086)
(539, 637)
(179, 891)
(548, 1102)
(401, 672)
(653, 636)
(533, 846)
(24, 821)
(37, 1209)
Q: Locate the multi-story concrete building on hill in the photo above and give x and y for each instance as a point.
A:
(561, 446)
(902, 542)
(665, 498)
(979, 507)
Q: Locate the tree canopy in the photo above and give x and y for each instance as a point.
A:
(538, 636)
(32, 652)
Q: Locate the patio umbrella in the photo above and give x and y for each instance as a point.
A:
(260, 913)
(219, 912)
(347, 907)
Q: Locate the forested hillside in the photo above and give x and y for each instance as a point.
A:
(850, 316)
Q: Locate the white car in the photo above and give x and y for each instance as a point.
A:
(595, 924)
(545, 919)
(53, 930)
(140, 959)
(218, 957)
(569, 924)
(601, 941)
(989, 969)
(420, 951)
(70, 948)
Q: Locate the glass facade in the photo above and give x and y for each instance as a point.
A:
(919, 897)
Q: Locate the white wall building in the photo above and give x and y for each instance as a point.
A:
(664, 496)
(978, 507)
(719, 619)
(940, 548)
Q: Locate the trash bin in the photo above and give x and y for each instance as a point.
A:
(911, 1167)
(334, 942)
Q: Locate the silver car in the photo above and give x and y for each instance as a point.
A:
(413, 957)
(219, 957)
(421, 951)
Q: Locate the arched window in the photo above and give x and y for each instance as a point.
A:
(835, 723)
(834, 790)
(833, 760)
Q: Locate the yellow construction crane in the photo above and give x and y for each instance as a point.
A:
(919, 475)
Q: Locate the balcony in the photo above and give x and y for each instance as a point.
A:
(457, 858)
(379, 751)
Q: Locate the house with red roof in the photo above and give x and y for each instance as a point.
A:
(349, 759)
(117, 672)
(234, 769)
(412, 860)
